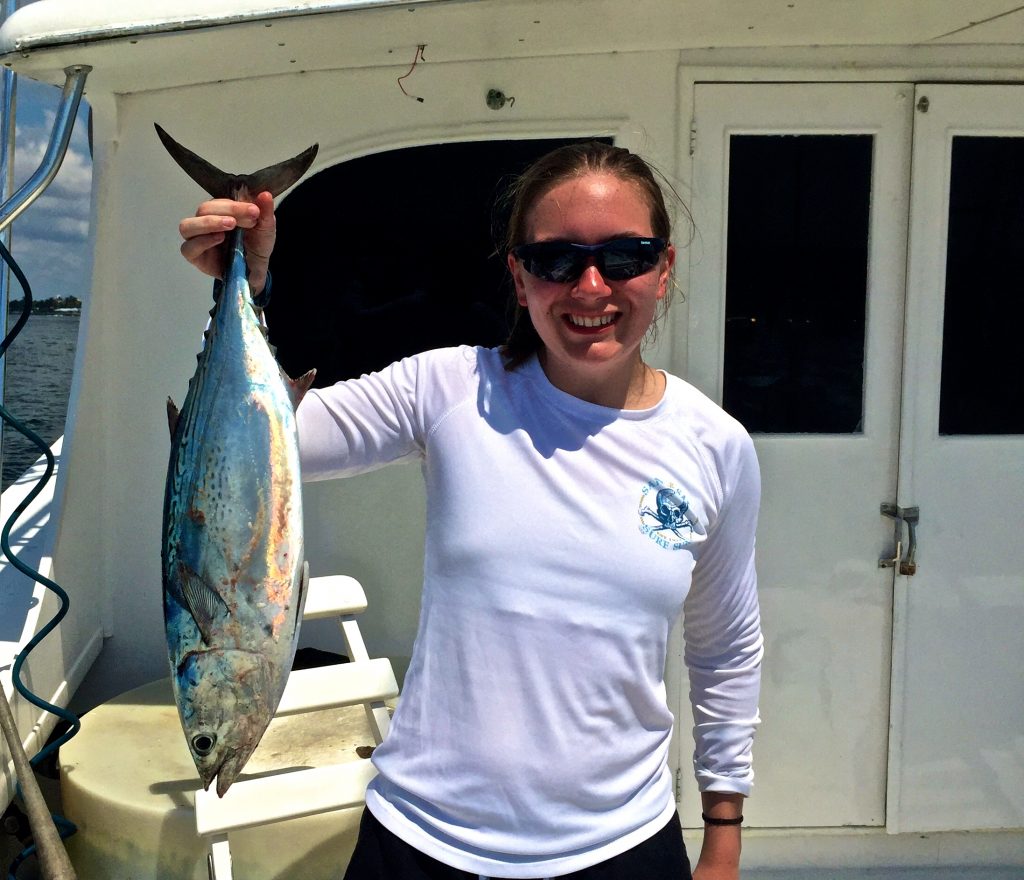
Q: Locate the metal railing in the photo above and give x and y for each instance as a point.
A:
(8, 110)
(14, 204)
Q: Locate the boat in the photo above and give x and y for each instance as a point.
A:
(847, 289)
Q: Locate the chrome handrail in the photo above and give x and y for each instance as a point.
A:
(8, 108)
(57, 148)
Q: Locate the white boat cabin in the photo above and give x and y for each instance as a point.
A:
(849, 289)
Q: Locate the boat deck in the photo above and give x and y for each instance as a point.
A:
(982, 855)
(9, 848)
(964, 872)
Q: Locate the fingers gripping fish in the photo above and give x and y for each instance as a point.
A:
(234, 577)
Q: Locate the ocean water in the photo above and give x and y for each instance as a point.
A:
(37, 382)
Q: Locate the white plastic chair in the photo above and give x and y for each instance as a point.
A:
(267, 799)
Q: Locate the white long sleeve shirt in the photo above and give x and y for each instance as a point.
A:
(563, 540)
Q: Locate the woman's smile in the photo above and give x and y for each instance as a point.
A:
(591, 323)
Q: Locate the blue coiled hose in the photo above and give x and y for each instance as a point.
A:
(64, 827)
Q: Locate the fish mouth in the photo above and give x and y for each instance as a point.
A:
(224, 781)
(225, 772)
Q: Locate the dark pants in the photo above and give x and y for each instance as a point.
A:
(379, 855)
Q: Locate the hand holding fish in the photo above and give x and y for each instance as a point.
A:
(214, 219)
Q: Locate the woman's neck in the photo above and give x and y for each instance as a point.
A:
(638, 387)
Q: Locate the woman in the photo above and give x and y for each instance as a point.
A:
(578, 500)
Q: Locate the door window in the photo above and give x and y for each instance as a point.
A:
(796, 281)
(982, 376)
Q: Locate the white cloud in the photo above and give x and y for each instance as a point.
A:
(56, 216)
(73, 228)
(75, 175)
(52, 270)
(51, 238)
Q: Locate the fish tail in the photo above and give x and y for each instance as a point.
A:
(274, 179)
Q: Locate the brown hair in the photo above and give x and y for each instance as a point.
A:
(561, 164)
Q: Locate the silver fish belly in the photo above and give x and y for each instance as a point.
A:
(233, 569)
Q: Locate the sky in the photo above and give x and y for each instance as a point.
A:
(50, 239)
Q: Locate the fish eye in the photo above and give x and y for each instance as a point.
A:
(203, 743)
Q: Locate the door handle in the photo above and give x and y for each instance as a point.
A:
(905, 564)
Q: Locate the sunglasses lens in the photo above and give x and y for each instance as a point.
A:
(563, 261)
(553, 261)
(624, 262)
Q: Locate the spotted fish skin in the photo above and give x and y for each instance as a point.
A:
(232, 554)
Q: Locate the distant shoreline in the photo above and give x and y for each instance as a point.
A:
(58, 305)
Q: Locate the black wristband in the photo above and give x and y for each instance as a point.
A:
(262, 299)
(711, 820)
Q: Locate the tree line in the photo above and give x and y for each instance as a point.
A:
(47, 306)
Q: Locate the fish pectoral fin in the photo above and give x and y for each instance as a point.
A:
(297, 388)
(172, 416)
(202, 601)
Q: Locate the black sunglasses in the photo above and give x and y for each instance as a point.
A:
(616, 260)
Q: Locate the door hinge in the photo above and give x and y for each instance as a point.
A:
(904, 564)
(693, 136)
(679, 785)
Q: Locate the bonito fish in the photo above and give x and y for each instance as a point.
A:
(234, 578)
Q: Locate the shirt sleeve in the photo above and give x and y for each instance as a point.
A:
(722, 630)
(362, 424)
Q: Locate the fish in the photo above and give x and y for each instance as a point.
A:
(234, 573)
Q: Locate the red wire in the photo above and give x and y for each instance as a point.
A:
(416, 60)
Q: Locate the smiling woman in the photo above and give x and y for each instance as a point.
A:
(593, 317)
(529, 614)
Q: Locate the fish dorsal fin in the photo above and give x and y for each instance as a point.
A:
(297, 388)
(172, 416)
(201, 600)
(223, 185)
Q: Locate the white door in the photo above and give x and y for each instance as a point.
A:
(800, 201)
(958, 678)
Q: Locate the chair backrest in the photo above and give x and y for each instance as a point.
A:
(291, 794)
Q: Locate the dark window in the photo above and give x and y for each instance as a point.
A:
(982, 372)
(393, 254)
(797, 281)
